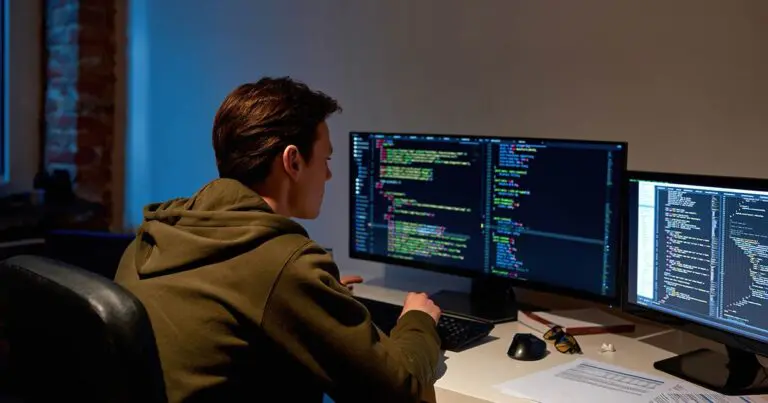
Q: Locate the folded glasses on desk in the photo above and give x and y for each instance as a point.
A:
(564, 342)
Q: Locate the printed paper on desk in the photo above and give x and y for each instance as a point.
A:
(578, 321)
(689, 393)
(586, 381)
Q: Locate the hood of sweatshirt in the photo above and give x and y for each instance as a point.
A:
(222, 220)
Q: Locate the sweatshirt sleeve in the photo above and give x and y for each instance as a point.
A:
(317, 321)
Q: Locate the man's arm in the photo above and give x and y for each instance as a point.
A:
(317, 321)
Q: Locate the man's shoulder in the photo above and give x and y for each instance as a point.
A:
(284, 248)
(309, 261)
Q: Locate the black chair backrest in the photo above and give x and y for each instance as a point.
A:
(95, 251)
(76, 335)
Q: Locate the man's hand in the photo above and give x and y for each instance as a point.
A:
(348, 281)
(421, 302)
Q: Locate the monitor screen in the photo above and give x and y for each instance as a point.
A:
(541, 211)
(698, 250)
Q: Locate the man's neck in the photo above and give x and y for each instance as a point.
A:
(274, 191)
(276, 206)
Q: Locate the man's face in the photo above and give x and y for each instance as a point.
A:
(309, 189)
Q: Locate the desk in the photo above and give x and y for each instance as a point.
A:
(469, 376)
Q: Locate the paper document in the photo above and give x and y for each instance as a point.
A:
(591, 381)
(689, 393)
(585, 381)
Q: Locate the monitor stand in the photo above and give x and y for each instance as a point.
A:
(490, 300)
(737, 373)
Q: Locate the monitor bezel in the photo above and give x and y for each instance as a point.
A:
(610, 300)
(692, 326)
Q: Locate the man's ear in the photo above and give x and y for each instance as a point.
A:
(292, 162)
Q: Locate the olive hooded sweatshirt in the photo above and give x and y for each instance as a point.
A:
(246, 308)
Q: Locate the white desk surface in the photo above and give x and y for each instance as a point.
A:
(470, 375)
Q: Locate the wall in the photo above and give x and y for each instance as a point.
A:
(80, 95)
(685, 82)
(23, 96)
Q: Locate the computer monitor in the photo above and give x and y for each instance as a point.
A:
(698, 259)
(539, 213)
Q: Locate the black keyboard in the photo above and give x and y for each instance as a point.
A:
(456, 333)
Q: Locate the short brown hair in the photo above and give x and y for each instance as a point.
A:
(256, 121)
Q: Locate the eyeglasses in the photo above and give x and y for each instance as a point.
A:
(564, 342)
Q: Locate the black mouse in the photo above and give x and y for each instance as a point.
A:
(527, 347)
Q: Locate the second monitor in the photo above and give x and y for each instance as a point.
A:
(542, 213)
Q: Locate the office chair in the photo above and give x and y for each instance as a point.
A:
(76, 335)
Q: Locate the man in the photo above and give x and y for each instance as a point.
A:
(243, 304)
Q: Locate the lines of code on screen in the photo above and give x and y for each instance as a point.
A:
(687, 248)
(415, 204)
(536, 211)
(709, 255)
(745, 253)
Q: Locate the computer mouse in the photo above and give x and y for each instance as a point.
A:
(527, 347)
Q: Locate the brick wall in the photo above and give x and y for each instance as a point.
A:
(80, 94)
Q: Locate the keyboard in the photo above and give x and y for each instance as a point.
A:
(456, 333)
